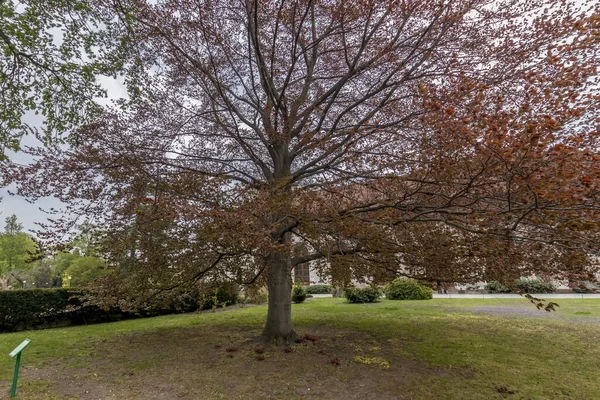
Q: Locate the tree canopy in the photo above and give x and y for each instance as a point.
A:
(16, 249)
(51, 54)
(452, 140)
(76, 264)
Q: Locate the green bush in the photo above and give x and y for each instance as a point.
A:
(365, 295)
(525, 285)
(497, 287)
(256, 296)
(219, 294)
(298, 294)
(407, 289)
(533, 286)
(318, 289)
(172, 302)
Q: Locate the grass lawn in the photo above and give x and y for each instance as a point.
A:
(441, 348)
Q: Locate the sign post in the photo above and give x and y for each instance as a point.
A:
(17, 352)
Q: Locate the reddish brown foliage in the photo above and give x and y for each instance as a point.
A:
(310, 338)
(451, 141)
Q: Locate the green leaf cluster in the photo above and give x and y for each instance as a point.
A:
(407, 289)
(16, 248)
(367, 294)
(298, 294)
(318, 289)
(51, 54)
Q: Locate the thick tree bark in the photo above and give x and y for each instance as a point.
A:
(278, 328)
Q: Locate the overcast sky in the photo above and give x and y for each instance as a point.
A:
(27, 213)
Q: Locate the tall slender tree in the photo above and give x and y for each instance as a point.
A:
(16, 249)
(453, 140)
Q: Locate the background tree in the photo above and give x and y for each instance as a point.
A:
(43, 274)
(21, 260)
(84, 270)
(16, 250)
(79, 263)
(450, 140)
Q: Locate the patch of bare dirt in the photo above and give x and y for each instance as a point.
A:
(197, 363)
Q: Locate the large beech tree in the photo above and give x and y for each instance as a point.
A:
(437, 139)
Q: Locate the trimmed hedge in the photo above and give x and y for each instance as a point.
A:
(407, 289)
(318, 289)
(365, 295)
(51, 308)
(48, 308)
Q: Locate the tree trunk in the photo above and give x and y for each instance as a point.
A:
(279, 316)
